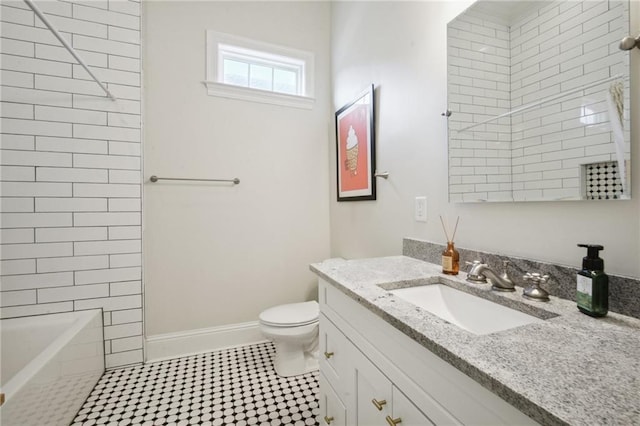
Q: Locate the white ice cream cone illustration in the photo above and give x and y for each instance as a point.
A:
(351, 162)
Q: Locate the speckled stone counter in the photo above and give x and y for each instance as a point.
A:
(569, 369)
(624, 292)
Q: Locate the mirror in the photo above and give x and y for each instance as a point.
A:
(538, 97)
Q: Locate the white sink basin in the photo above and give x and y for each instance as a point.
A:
(469, 312)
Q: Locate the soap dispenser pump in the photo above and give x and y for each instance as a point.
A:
(592, 283)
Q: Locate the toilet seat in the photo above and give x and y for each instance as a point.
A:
(291, 315)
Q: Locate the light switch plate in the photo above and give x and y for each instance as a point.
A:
(420, 209)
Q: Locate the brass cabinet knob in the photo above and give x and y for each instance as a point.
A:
(392, 421)
(328, 420)
(379, 404)
(328, 355)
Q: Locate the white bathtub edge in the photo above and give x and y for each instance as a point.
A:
(54, 384)
(20, 379)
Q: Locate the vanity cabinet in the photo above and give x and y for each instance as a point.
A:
(373, 374)
(348, 375)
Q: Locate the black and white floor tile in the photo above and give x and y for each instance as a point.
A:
(236, 386)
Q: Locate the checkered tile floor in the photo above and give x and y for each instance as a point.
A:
(231, 387)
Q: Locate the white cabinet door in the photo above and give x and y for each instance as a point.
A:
(378, 401)
(373, 393)
(332, 411)
(405, 413)
(334, 354)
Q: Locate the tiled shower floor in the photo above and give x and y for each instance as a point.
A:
(230, 387)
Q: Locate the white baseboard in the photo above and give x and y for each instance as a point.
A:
(175, 345)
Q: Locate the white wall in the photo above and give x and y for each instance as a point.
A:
(71, 237)
(401, 48)
(216, 254)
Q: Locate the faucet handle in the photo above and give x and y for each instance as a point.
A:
(533, 276)
(534, 291)
(505, 275)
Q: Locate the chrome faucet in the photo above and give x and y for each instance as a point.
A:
(480, 272)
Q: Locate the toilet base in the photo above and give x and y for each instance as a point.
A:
(291, 361)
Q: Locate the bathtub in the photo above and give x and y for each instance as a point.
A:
(49, 365)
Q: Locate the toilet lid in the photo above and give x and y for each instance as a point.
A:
(292, 314)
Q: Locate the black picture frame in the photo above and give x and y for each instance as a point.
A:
(356, 148)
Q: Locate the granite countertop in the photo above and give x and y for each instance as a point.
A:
(569, 369)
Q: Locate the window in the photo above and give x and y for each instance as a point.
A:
(250, 70)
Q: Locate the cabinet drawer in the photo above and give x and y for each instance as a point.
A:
(332, 410)
(330, 297)
(334, 353)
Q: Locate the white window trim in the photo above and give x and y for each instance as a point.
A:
(217, 88)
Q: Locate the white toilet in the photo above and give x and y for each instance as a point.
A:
(293, 328)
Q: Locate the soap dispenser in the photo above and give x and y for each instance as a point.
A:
(592, 283)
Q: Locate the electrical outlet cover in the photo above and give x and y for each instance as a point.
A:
(420, 209)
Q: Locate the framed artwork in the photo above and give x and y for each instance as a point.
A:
(355, 142)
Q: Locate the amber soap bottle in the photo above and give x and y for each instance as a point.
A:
(450, 260)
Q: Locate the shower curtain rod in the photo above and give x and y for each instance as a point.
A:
(542, 101)
(71, 50)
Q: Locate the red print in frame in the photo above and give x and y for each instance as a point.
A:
(356, 149)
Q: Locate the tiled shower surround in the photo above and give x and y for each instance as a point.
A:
(71, 167)
(478, 88)
(496, 67)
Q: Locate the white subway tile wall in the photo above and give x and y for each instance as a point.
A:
(478, 73)
(71, 167)
(555, 49)
(563, 47)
